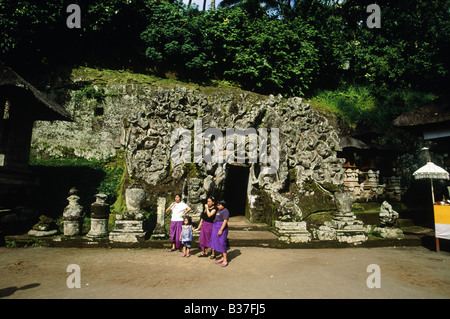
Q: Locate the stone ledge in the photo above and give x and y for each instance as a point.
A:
(235, 241)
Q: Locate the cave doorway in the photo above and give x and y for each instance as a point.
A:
(235, 188)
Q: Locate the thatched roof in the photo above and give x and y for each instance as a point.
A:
(10, 78)
(434, 112)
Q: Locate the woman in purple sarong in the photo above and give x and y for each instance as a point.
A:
(179, 209)
(206, 224)
(219, 233)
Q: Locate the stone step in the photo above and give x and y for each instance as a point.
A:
(245, 238)
(241, 223)
(405, 222)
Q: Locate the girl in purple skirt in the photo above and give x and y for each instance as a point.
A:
(179, 209)
(206, 224)
(219, 233)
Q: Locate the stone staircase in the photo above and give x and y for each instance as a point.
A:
(244, 233)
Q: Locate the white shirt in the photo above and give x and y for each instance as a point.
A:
(177, 210)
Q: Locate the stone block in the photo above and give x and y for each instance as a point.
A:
(42, 233)
(99, 228)
(292, 232)
(72, 227)
(388, 232)
(126, 226)
(126, 237)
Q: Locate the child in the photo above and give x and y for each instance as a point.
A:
(186, 236)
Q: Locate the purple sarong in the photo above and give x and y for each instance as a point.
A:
(205, 235)
(175, 232)
(218, 243)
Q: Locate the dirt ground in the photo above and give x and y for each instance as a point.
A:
(408, 272)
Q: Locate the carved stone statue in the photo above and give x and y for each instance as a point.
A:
(73, 214)
(388, 216)
(195, 196)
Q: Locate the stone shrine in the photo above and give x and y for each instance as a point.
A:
(99, 217)
(344, 227)
(129, 227)
(160, 230)
(348, 228)
(73, 214)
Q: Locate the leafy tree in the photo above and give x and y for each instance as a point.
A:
(410, 50)
(175, 41)
(265, 54)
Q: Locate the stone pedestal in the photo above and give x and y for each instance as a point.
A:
(160, 230)
(128, 231)
(99, 217)
(324, 233)
(348, 229)
(45, 227)
(72, 227)
(129, 227)
(292, 232)
(99, 228)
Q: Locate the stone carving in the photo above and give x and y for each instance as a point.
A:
(348, 228)
(135, 199)
(45, 227)
(142, 119)
(195, 196)
(308, 144)
(325, 233)
(344, 227)
(73, 214)
(160, 230)
(292, 232)
(388, 218)
(99, 217)
(289, 210)
(129, 227)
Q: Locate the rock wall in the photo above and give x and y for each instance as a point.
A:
(141, 119)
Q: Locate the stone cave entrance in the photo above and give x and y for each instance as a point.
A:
(235, 188)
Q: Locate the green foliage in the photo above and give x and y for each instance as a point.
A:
(351, 103)
(358, 104)
(92, 93)
(174, 40)
(292, 48)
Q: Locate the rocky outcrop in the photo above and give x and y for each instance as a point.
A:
(142, 119)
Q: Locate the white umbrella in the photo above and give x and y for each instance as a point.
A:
(431, 171)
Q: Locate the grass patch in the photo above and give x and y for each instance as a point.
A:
(357, 104)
